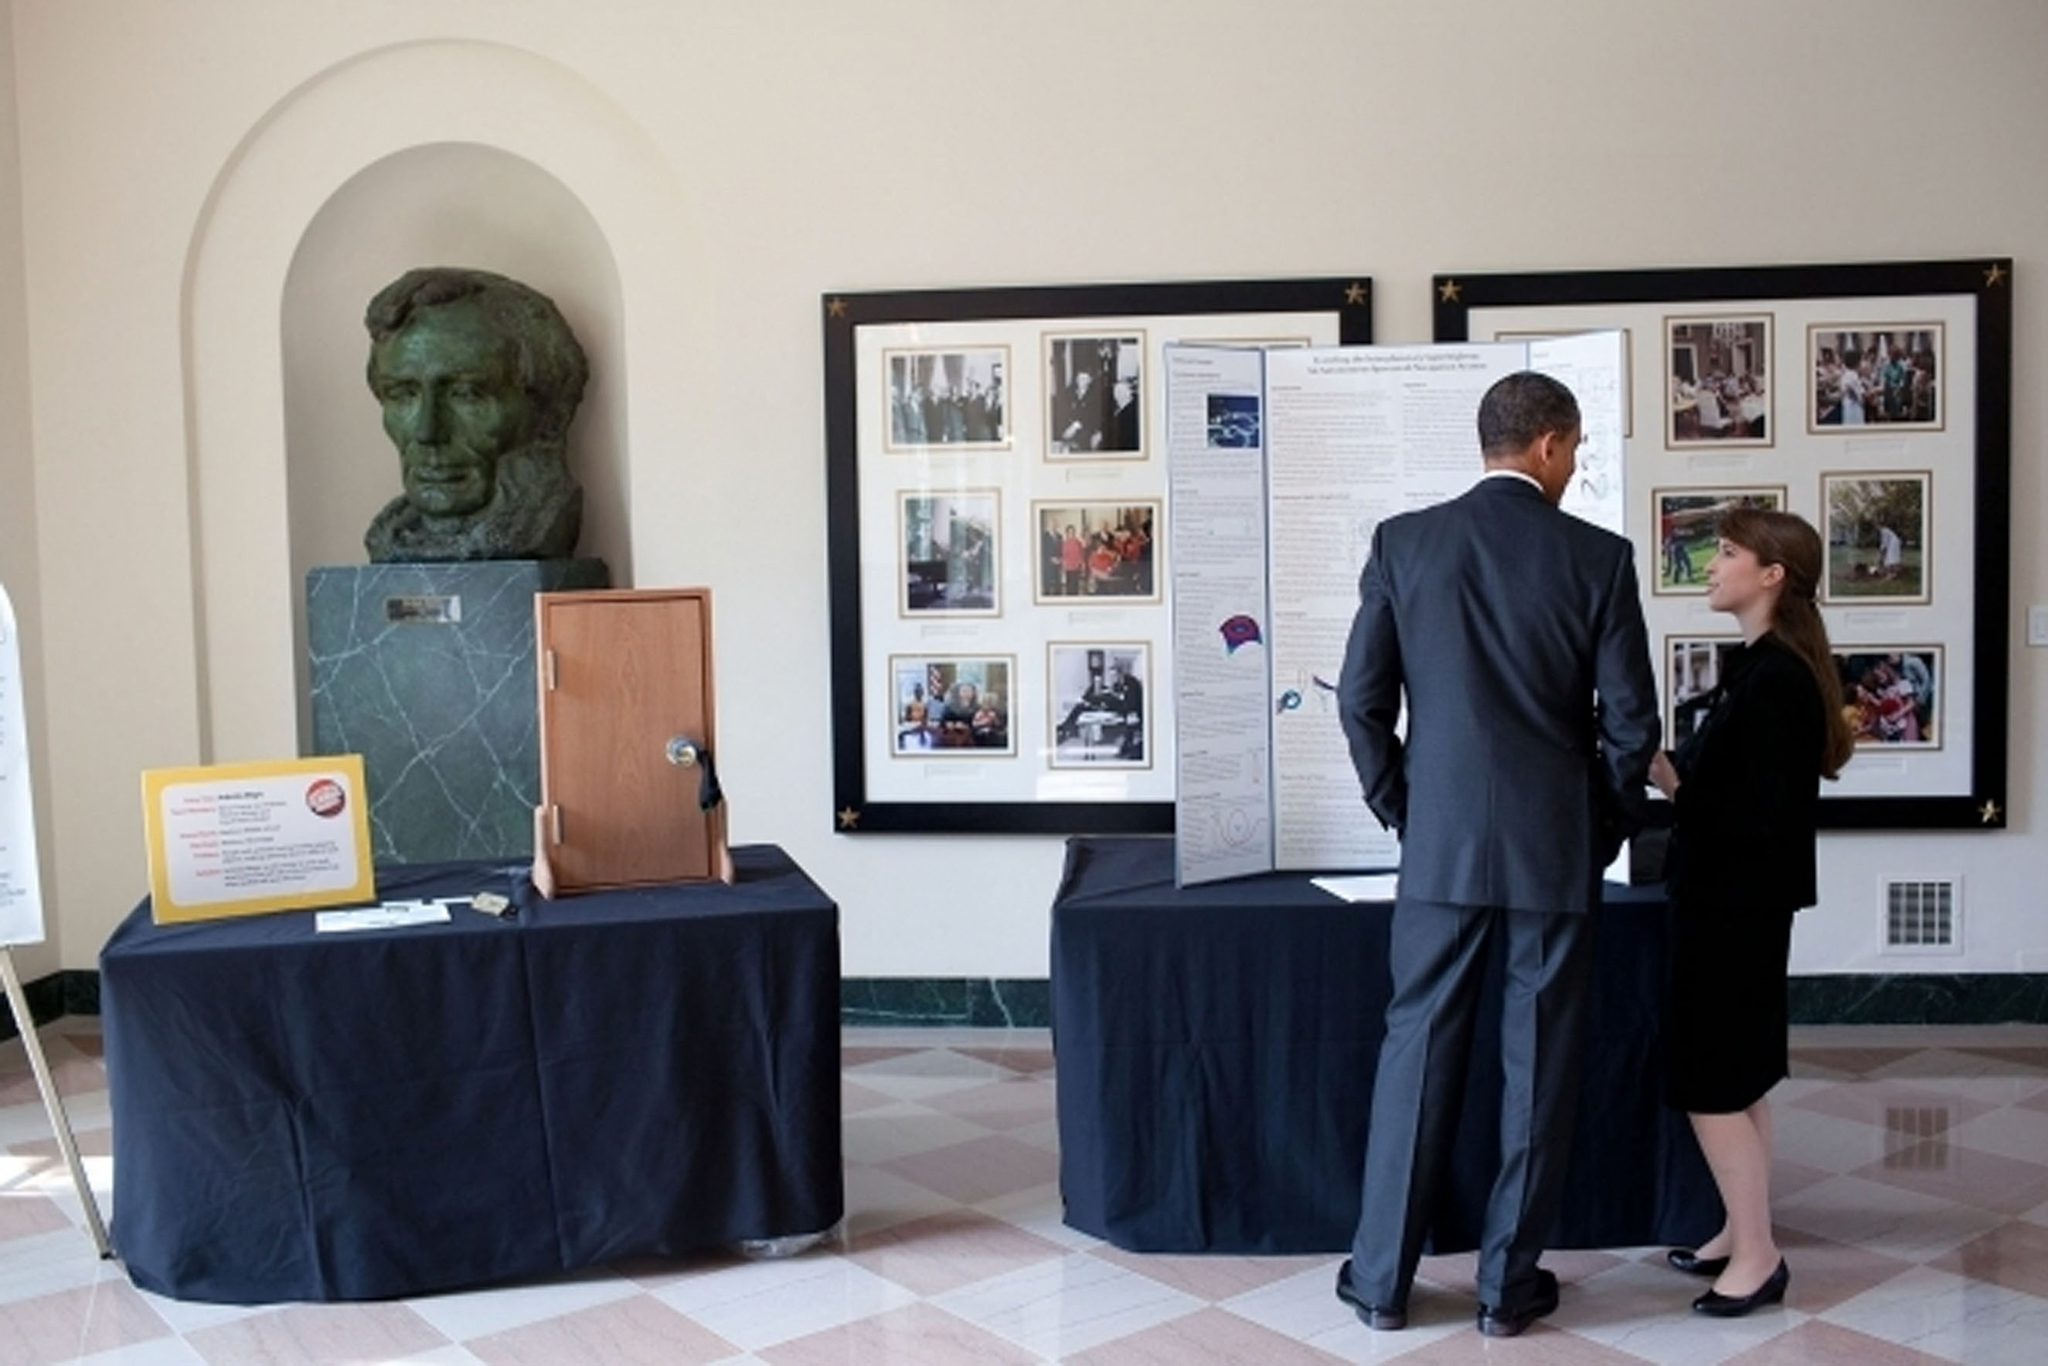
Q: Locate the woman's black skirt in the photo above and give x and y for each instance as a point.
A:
(1724, 1023)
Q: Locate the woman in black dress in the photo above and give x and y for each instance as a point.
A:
(1745, 787)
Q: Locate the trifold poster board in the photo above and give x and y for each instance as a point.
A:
(242, 839)
(1280, 465)
(21, 892)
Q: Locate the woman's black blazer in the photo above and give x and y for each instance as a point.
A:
(1749, 785)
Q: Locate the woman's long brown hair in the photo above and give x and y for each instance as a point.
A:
(1790, 542)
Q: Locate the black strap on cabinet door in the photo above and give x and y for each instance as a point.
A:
(685, 752)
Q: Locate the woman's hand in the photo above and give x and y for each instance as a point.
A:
(1664, 775)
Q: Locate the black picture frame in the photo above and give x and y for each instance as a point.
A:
(1986, 283)
(1277, 307)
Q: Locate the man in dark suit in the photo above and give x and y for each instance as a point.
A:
(1516, 633)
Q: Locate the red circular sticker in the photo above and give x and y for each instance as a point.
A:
(326, 798)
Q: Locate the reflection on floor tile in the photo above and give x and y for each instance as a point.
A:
(641, 1331)
(1911, 1198)
(915, 1335)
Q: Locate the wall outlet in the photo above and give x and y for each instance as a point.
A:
(2037, 624)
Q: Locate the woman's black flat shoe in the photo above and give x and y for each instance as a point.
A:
(1692, 1264)
(1772, 1291)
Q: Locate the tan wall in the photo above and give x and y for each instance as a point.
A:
(741, 160)
(18, 544)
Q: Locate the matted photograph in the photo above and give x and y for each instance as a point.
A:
(932, 541)
(1877, 532)
(958, 706)
(1687, 522)
(948, 399)
(1097, 552)
(1095, 396)
(1098, 716)
(1234, 422)
(949, 548)
(1892, 697)
(1717, 373)
(1888, 375)
(1692, 670)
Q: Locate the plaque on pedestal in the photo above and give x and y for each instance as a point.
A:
(427, 671)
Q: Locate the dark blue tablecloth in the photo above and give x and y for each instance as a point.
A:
(1216, 1049)
(382, 1113)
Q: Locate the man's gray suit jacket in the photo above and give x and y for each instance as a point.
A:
(1502, 619)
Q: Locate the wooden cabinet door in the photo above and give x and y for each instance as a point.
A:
(622, 674)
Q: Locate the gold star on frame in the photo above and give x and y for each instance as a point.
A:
(1448, 291)
(1993, 274)
(835, 308)
(1989, 811)
(849, 818)
(1355, 294)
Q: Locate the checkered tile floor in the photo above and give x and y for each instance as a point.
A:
(1912, 1201)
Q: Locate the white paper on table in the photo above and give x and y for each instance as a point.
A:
(392, 915)
(1617, 871)
(1360, 886)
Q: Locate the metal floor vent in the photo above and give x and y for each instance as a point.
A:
(1922, 913)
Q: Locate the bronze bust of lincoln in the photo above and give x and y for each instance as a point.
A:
(478, 377)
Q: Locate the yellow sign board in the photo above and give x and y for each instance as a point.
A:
(243, 839)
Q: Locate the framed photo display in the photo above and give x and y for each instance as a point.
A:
(1873, 400)
(997, 517)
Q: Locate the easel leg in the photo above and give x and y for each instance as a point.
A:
(52, 1102)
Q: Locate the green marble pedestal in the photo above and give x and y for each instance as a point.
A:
(427, 671)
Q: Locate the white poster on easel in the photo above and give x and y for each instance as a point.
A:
(1295, 456)
(21, 892)
(1216, 515)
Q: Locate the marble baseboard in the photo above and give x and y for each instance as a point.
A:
(1026, 1003)
(1920, 998)
(988, 1002)
(50, 997)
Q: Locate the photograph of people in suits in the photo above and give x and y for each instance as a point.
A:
(1098, 705)
(948, 398)
(1095, 396)
(1097, 550)
(949, 553)
(1494, 604)
(1745, 790)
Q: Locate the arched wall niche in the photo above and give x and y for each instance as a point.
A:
(440, 152)
(458, 204)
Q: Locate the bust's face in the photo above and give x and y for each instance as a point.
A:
(453, 404)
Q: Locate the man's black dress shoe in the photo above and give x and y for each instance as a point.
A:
(1381, 1317)
(1507, 1323)
(1772, 1291)
(1692, 1264)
